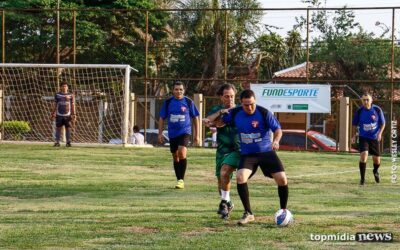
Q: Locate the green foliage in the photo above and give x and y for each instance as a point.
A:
(102, 36)
(342, 42)
(16, 128)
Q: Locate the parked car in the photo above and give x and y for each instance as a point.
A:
(294, 139)
(152, 137)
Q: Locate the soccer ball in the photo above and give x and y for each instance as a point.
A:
(283, 217)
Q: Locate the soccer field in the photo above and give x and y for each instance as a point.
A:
(123, 198)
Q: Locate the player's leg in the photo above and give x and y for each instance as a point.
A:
(226, 204)
(59, 124)
(226, 174)
(229, 164)
(246, 167)
(67, 124)
(173, 146)
(283, 189)
(219, 184)
(218, 166)
(374, 150)
(363, 148)
(180, 159)
(272, 166)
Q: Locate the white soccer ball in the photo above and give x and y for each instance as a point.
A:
(283, 217)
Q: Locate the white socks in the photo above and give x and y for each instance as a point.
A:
(225, 195)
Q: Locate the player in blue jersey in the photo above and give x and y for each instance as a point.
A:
(180, 112)
(64, 113)
(254, 124)
(370, 121)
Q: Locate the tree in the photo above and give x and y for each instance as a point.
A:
(103, 36)
(202, 35)
(344, 51)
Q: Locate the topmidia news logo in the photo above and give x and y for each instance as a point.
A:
(360, 237)
(374, 237)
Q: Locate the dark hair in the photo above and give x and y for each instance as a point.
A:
(220, 91)
(178, 83)
(248, 93)
(63, 83)
(136, 128)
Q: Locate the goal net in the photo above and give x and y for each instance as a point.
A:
(101, 93)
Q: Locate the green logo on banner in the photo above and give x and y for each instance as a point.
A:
(300, 106)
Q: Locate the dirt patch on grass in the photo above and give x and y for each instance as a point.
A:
(144, 230)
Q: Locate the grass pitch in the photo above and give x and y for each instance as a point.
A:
(115, 198)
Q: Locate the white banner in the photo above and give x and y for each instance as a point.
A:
(294, 98)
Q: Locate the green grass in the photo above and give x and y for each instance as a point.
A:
(116, 198)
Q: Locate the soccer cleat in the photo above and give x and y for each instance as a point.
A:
(227, 208)
(221, 207)
(57, 144)
(246, 218)
(68, 144)
(362, 182)
(224, 208)
(180, 184)
(377, 177)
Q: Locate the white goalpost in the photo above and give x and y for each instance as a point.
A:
(102, 101)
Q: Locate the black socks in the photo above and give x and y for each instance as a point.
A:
(362, 166)
(283, 192)
(244, 196)
(180, 169)
(376, 166)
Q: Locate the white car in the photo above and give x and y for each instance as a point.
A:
(152, 137)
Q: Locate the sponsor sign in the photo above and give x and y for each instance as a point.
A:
(294, 98)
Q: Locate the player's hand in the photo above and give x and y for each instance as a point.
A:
(73, 118)
(218, 123)
(275, 145)
(52, 116)
(353, 139)
(161, 139)
(379, 138)
(196, 142)
(207, 122)
(224, 111)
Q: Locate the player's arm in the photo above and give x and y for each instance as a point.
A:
(53, 111)
(382, 125)
(73, 110)
(211, 119)
(277, 139)
(355, 122)
(160, 130)
(196, 124)
(354, 134)
(379, 137)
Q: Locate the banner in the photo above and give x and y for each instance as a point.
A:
(294, 98)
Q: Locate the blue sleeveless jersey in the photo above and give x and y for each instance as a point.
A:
(254, 130)
(369, 121)
(179, 114)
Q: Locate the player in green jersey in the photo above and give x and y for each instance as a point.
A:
(227, 155)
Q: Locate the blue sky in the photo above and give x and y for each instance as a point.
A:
(367, 18)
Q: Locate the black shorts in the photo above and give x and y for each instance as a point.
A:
(269, 163)
(182, 140)
(372, 146)
(63, 121)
